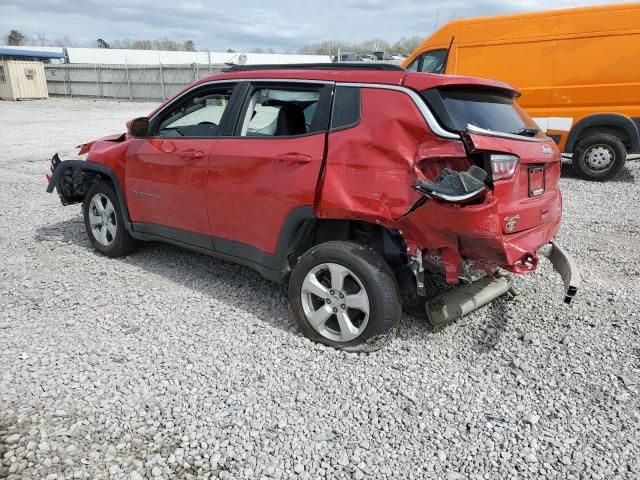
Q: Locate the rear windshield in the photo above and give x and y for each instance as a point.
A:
(457, 108)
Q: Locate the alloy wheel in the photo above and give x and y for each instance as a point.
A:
(102, 219)
(335, 302)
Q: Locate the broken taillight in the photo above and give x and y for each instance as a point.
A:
(503, 165)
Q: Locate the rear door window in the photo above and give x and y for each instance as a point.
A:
(275, 111)
(456, 108)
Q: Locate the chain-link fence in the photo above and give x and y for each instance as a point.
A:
(123, 82)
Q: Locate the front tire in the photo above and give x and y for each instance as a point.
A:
(599, 157)
(104, 223)
(343, 294)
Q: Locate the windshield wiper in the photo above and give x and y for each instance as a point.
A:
(527, 131)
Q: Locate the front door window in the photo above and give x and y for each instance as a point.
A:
(199, 116)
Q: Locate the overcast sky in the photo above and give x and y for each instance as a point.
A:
(284, 25)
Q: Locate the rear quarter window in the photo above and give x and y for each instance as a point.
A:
(346, 108)
(491, 110)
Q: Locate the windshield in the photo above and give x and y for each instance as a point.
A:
(491, 110)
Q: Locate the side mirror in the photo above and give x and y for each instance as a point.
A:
(138, 127)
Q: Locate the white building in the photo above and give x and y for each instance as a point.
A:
(106, 56)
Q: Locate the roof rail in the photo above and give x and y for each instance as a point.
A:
(317, 66)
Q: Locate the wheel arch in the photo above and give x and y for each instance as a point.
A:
(385, 241)
(73, 178)
(616, 124)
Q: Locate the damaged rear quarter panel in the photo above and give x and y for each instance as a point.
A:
(372, 167)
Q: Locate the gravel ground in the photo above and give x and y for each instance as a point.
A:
(170, 364)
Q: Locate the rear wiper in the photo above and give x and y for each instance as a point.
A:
(527, 131)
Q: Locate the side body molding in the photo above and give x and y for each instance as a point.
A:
(272, 266)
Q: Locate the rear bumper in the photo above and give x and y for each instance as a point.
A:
(464, 299)
(448, 235)
(565, 266)
(457, 239)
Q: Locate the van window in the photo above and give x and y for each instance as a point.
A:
(491, 110)
(431, 62)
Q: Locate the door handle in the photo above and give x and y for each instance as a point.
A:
(193, 154)
(293, 158)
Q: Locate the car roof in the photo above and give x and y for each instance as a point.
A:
(380, 73)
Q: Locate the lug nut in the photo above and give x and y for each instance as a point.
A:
(328, 300)
(343, 306)
(335, 310)
(332, 292)
(341, 295)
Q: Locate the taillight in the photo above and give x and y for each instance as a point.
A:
(503, 166)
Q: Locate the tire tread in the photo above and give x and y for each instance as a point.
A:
(378, 278)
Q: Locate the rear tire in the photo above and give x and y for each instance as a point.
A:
(103, 221)
(599, 157)
(345, 295)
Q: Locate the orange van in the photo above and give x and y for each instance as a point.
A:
(578, 70)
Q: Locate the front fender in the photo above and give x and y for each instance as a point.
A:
(72, 179)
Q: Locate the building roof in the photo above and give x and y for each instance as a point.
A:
(14, 52)
(108, 56)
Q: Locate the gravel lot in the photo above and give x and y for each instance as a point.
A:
(170, 364)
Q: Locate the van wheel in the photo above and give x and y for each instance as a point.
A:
(343, 294)
(103, 221)
(599, 157)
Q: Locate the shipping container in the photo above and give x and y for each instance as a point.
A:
(20, 80)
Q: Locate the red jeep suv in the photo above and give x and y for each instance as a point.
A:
(346, 183)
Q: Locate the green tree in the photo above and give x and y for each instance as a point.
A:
(189, 46)
(15, 38)
(102, 44)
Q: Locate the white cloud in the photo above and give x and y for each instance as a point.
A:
(239, 24)
(191, 7)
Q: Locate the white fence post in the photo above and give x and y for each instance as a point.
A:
(126, 66)
(162, 83)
